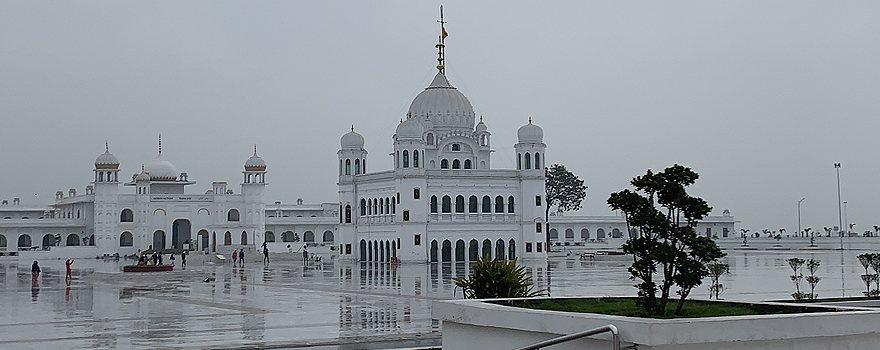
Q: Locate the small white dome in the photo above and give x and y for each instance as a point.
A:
(106, 160)
(352, 140)
(161, 170)
(410, 129)
(444, 105)
(255, 163)
(530, 133)
(481, 127)
(142, 177)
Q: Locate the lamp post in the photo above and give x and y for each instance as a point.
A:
(799, 216)
(839, 209)
(845, 219)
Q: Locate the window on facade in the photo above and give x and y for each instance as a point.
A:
(232, 215)
(416, 193)
(340, 167)
(510, 205)
(415, 159)
(472, 204)
(381, 206)
(430, 139)
(388, 205)
(487, 204)
(357, 166)
(499, 204)
(444, 164)
(459, 204)
(126, 216)
(406, 215)
(363, 166)
(519, 161)
(347, 214)
(126, 239)
(538, 201)
(456, 164)
(528, 247)
(528, 161)
(538, 227)
(446, 206)
(348, 167)
(538, 247)
(434, 204)
(537, 160)
(467, 163)
(456, 147)
(363, 207)
(405, 159)
(417, 239)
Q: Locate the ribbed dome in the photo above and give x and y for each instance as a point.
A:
(352, 140)
(161, 170)
(142, 177)
(444, 105)
(530, 133)
(106, 160)
(255, 163)
(410, 129)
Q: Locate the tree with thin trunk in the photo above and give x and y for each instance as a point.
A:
(564, 191)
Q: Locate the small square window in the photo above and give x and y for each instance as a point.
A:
(348, 248)
(417, 240)
(456, 147)
(417, 193)
(538, 201)
(406, 215)
(539, 247)
(538, 227)
(528, 247)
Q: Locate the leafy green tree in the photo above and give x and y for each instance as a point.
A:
(492, 278)
(667, 244)
(716, 270)
(565, 190)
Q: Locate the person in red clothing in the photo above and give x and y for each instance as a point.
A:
(67, 264)
(234, 257)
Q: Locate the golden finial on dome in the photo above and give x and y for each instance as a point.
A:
(160, 144)
(441, 45)
(106, 146)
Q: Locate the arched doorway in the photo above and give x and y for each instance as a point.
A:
(180, 233)
(447, 251)
(474, 250)
(459, 250)
(203, 239)
(159, 240)
(48, 241)
(433, 251)
(487, 248)
(499, 249)
(73, 240)
(363, 255)
(244, 238)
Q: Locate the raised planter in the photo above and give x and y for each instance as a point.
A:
(474, 324)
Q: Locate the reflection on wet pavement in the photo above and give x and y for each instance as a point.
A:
(326, 305)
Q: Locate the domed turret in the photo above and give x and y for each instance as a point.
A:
(481, 127)
(447, 107)
(143, 176)
(352, 140)
(410, 129)
(255, 163)
(106, 160)
(530, 133)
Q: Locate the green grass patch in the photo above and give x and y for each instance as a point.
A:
(692, 308)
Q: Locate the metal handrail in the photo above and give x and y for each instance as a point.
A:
(615, 338)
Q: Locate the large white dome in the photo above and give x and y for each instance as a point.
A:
(445, 106)
(161, 170)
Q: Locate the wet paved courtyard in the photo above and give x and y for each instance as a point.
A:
(324, 305)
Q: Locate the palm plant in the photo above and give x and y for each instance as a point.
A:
(492, 278)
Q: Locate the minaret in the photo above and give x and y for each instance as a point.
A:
(530, 163)
(253, 189)
(352, 162)
(106, 209)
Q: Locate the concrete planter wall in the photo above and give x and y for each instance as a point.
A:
(472, 324)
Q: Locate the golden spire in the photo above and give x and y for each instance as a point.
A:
(440, 46)
(160, 144)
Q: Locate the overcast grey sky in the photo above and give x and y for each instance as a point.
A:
(759, 97)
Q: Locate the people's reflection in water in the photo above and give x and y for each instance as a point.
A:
(67, 289)
(35, 288)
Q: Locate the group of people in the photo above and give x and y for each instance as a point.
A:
(238, 256)
(36, 270)
(156, 259)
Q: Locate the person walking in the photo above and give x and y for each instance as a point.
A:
(265, 254)
(35, 270)
(241, 258)
(172, 259)
(305, 254)
(183, 259)
(234, 258)
(67, 265)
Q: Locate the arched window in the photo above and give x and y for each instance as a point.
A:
(309, 237)
(227, 238)
(393, 210)
(434, 251)
(415, 159)
(499, 204)
(287, 236)
(430, 139)
(232, 215)
(600, 233)
(387, 205)
(348, 167)
(347, 214)
(381, 206)
(357, 166)
(24, 240)
(487, 248)
(487, 204)
(244, 238)
(459, 204)
(444, 164)
(511, 250)
(126, 239)
(585, 234)
(3, 241)
(363, 207)
(459, 250)
(446, 206)
(363, 255)
(510, 207)
(48, 241)
(340, 167)
(363, 166)
(447, 251)
(519, 161)
(434, 204)
(126, 216)
(472, 204)
(370, 206)
(615, 233)
(473, 250)
(73, 240)
(270, 236)
(467, 163)
(456, 164)
(528, 161)
(375, 206)
(499, 249)
(569, 234)
(553, 234)
(537, 160)
(328, 237)
(405, 159)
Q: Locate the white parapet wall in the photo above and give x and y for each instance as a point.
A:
(473, 324)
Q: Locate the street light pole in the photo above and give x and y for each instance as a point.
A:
(839, 209)
(799, 216)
